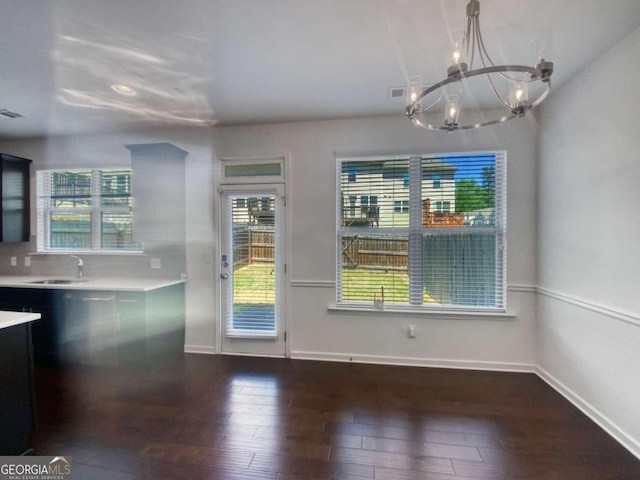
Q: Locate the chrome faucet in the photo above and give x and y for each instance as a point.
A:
(80, 274)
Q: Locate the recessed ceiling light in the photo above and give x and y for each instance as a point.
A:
(123, 89)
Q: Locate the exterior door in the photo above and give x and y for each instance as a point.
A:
(252, 270)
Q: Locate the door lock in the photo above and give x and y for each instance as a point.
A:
(224, 276)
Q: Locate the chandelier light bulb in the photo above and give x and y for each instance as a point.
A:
(452, 111)
(457, 55)
(519, 97)
(414, 90)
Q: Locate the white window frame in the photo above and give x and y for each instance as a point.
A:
(415, 231)
(45, 208)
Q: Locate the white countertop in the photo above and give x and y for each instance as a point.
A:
(10, 319)
(124, 284)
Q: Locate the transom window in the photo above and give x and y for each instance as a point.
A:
(438, 244)
(85, 210)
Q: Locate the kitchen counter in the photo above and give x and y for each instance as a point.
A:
(114, 284)
(100, 322)
(10, 319)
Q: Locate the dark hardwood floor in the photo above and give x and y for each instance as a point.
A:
(220, 417)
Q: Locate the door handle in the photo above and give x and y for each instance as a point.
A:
(224, 276)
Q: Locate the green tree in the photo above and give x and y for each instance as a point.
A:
(469, 195)
(489, 186)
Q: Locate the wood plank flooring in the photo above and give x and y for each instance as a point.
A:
(221, 417)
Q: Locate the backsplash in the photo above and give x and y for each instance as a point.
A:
(171, 259)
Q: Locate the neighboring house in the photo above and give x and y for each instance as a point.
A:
(376, 193)
(481, 217)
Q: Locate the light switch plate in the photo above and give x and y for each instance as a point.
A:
(156, 263)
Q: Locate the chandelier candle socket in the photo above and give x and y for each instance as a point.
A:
(517, 88)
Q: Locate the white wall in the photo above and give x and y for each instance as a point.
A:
(310, 148)
(589, 194)
(314, 332)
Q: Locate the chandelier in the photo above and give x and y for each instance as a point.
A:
(518, 88)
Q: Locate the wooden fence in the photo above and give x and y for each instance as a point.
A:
(375, 253)
(76, 234)
(458, 269)
(253, 245)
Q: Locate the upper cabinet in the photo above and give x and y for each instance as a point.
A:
(15, 223)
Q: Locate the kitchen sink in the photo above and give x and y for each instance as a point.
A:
(57, 281)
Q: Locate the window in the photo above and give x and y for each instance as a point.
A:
(440, 244)
(368, 203)
(436, 181)
(442, 206)
(401, 206)
(85, 210)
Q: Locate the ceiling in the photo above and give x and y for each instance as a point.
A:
(228, 62)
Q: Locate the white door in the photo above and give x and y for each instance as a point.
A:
(252, 269)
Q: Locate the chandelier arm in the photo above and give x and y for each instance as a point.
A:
(481, 46)
(472, 34)
(468, 35)
(495, 91)
(482, 49)
(542, 96)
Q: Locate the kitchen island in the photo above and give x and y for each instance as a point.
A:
(101, 322)
(17, 419)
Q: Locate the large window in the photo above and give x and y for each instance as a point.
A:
(85, 210)
(439, 244)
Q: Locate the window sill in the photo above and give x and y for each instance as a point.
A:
(249, 335)
(431, 314)
(85, 253)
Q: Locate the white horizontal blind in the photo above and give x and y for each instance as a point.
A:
(85, 210)
(438, 239)
(373, 226)
(251, 296)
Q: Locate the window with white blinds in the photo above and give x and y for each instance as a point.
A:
(433, 238)
(85, 210)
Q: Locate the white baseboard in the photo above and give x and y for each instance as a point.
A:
(244, 354)
(199, 349)
(590, 411)
(415, 362)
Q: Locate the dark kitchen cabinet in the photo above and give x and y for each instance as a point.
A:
(48, 332)
(17, 422)
(91, 329)
(103, 328)
(15, 223)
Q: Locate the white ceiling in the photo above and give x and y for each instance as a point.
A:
(205, 62)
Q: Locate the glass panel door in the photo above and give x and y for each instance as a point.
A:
(252, 272)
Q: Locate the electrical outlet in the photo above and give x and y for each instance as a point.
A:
(411, 331)
(156, 263)
(27, 261)
(14, 261)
